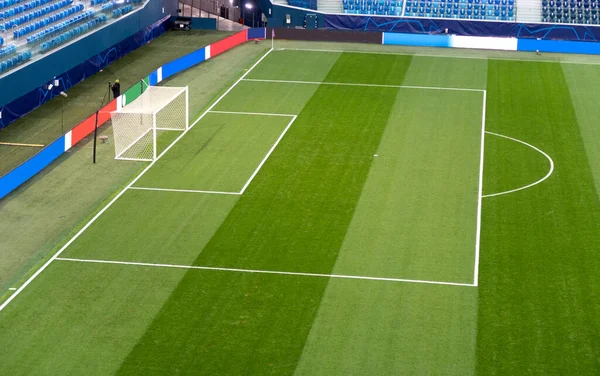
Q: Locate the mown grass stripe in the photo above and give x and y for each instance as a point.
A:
(300, 205)
(583, 86)
(539, 285)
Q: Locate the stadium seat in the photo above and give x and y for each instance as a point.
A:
(46, 21)
(11, 62)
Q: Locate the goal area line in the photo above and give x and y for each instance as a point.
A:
(258, 271)
(254, 173)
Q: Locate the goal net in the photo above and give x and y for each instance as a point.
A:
(137, 125)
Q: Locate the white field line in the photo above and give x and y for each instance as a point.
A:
(479, 194)
(268, 154)
(170, 129)
(342, 276)
(364, 85)
(132, 159)
(230, 88)
(262, 162)
(443, 56)
(250, 113)
(87, 225)
(184, 190)
(528, 185)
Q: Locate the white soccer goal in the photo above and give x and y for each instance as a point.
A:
(135, 125)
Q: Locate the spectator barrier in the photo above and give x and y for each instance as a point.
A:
(462, 27)
(491, 43)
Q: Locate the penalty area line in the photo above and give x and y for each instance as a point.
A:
(111, 202)
(255, 271)
(480, 191)
(364, 85)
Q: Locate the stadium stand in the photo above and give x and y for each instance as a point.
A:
(14, 61)
(123, 10)
(308, 4)
(498, 10)
(108, 6)
(9, 3)
(47, 21)
(35, 14)
(570, 11)
(15, 11)
(32, 28)
(379, 7)
(60, 26)
(11, 48)
(67, 36)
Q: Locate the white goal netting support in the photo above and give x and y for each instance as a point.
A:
(136, 126)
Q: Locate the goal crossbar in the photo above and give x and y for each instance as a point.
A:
(150, 102)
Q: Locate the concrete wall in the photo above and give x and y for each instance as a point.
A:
(276, 15)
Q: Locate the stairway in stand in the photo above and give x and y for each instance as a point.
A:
(529, 11)
(330, 6)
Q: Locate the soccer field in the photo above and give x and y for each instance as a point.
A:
(338, 213)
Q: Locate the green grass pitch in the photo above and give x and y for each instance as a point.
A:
(340, 213)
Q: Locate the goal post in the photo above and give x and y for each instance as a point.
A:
(137, 125)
